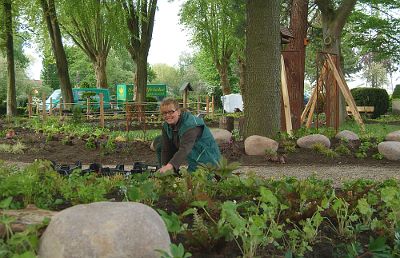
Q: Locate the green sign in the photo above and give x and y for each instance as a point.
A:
(156, 90)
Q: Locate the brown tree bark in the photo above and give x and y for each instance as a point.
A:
(96, 44)
(11, 90)
(263, 89)
(222, 68)
(333, 21)
(140, 24)
(50, 16)
(100, 71)
(295, 55)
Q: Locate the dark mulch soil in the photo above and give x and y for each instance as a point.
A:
(39, 147)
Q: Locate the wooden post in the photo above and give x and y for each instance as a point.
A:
(212, 105)
(285, 97)
(101, 110)
(128, 116)
(346, 92)
(51, 107)
(61, 106)
(29, 106)
(185, 94)
(44, 112)
(198, 104)
(87, 108)
(207, 104)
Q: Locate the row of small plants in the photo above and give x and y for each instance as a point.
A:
(215, 210)
(65, 131)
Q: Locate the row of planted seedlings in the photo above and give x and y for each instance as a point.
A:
(214, 211)
(95, 137)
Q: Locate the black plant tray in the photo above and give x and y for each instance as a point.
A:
(138, 167)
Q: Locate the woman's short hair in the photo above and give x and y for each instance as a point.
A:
(169, 101)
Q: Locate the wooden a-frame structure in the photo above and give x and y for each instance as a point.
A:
(330, 72)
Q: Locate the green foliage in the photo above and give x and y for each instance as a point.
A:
(378, 98)
(342, 149)
(17, 148)
(223, 169)
(321, 148)
(176, 251)
(396, 92)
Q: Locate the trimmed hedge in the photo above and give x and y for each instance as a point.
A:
(379, 98)
(396, 92)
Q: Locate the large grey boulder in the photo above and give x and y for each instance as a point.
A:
(256, 145)
(105, 229)
(390, 150)
(310, 140)
(393, 136)
(221, 136)
(347, 135)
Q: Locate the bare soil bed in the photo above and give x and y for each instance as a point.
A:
(38, 146)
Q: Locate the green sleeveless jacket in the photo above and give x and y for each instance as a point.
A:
(205, 149)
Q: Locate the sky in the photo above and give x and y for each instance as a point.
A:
(168, 43)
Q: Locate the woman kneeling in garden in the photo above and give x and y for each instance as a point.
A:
(184, 136)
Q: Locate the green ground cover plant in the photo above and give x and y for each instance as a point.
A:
(213, 208)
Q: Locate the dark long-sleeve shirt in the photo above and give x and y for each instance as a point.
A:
(176, 150)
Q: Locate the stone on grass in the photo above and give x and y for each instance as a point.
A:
(310, 140)
(347, 135)
(256, 145)
(221, 136)
(390, 150)
(105, 229)
(393, 136)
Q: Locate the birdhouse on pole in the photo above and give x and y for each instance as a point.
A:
(185, 88)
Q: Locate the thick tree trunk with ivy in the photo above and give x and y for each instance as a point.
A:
(263, 90)
(50, 16)
(333, 21)
(11, 90)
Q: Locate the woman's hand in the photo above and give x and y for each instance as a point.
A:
(165, 168)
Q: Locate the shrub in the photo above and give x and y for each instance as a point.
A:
(378, 98)
(396, 92)
(152, 104)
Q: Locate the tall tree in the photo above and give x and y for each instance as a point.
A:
(213, 24)
(89, 24)
(139, 17)
(9, 44)
(50, 17)
(262, 95)
(333, 20)
(334, 16)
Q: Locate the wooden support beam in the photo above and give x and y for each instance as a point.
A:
(308, 106)
(285, 97)
(346, 92)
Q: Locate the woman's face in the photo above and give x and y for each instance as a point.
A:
(170, 114)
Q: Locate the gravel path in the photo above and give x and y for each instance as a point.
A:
(338, 174)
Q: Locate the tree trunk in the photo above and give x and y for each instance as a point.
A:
(263, 91)
(141, 78)
(242, 74)
(333, 21)
(50, 15)
(223, 74)
(11, 90)
(141, 31)
(100, 71)
(295, 55)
